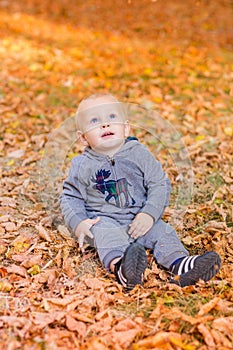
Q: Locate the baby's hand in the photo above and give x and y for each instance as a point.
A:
(141, 224)
(83, 230)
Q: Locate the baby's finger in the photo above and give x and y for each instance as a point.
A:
(133, 227)
(89, 234)
(135, 233)
(80, 242)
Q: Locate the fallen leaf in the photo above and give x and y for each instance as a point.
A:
(208, 338)
(3, 271)
(5, 286)
(208, 306)
(224, 324)
(76, 326)
(161, 340)
(18, 270)
(43, 233)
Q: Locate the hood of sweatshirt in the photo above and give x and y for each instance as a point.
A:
(130, 144)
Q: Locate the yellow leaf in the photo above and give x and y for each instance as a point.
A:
(34, 270)
(179, 344)
(48, 66)
(5, 286)
(148, 71)
(168, 299)
(158, 99)
(199, 137)
(11, 162)
(20, 247)
(228, 130)
(35, 67)
(71, 155)
(15, 124)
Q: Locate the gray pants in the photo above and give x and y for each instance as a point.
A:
(111, 240)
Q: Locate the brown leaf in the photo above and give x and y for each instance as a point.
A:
(2, 230)
(124, 338)
(18, 270)
(8, 202)
(68, 267)
(161, 340)
(77, 326)
(5, 286)
(4, 218)
(43, 233)
(14, 321)
(3, 250)
(9, 226)
(97, 344)
(208, 306)
(66, 235)
(48, 276)
(62, 301)
(43, 319)
(221, 339)
(205, 331)
(31, 260)
(124, 332)
(224, 324)
(3, 271)
(93, 283)
(81, 317)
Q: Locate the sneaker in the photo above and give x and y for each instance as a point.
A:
(189, 270)
(129, 270)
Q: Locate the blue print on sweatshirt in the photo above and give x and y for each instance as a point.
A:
(114, 188)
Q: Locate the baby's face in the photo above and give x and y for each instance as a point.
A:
(103, 126)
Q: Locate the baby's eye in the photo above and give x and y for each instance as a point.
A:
(112, 116)
(94, 120)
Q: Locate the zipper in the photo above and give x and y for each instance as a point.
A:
(112, 162)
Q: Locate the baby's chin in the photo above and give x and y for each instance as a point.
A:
(109, 145)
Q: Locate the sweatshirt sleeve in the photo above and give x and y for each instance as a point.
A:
(157, 185)
(72, 199)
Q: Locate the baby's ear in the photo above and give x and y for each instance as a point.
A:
(81, 137)
(127, 128)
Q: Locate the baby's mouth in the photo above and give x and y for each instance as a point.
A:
(107, 133)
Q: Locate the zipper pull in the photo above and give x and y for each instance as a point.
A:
(112, 160)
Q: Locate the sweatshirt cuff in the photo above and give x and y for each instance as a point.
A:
(152, 211)
(75, 221)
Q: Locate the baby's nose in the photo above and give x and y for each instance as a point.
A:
(105, 125)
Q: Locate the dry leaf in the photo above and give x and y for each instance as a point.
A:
(19, 270)
(208, 306)
(205, 331)
(5, 286)
(76, 326)
(224, 324)
(43, 233)
(159, 340)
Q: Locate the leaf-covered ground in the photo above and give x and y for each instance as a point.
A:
(174, 57)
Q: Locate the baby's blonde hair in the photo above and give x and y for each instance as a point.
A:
(81, 106)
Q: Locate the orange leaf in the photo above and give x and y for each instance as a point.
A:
(77, 326)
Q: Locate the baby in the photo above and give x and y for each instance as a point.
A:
(116, 193)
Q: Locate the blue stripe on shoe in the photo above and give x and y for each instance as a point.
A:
(184, 265)
(191, 269)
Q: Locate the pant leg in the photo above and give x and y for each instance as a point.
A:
(110, 239)
(166, 245)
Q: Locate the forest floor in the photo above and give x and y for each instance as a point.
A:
(174, 59)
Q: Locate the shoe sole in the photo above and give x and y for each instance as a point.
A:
(134, 264)
(205, 267)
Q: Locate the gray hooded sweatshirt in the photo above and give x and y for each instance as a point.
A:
(120, 187)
